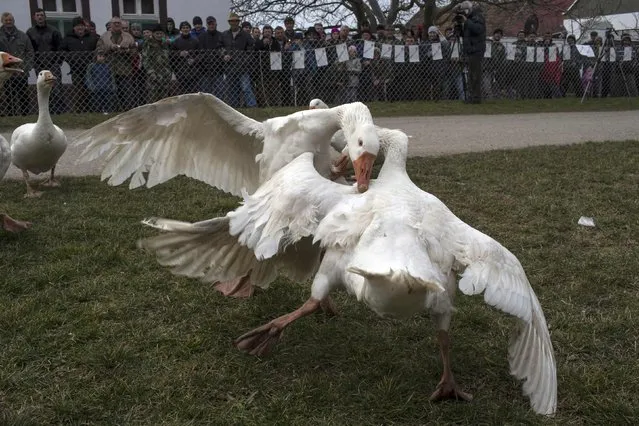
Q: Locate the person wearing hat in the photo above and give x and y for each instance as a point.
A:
(210, 43)
(238, 46)
(79, 42)
(155, 63)
(186, 70)
(197, 26)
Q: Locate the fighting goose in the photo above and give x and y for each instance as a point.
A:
(8, 64)
(200, 136)
(397, 249)
(37, 147)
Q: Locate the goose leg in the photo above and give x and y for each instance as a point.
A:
(51, 182)
(447, 387)
(261, 340)
(31, 193)
(239, 287)
(14, 226)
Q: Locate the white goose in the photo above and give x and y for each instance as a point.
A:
(397, 249)
(37, 147)
(200, 136)
(9, 64)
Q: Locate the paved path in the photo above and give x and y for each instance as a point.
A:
(434, 136)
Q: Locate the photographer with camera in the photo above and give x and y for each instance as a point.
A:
(469, 21)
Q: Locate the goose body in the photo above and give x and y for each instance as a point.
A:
(9, 64)
(37, 147)
(199, 136)
(397, 249)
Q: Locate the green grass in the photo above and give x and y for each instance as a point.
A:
(388, 109)
(93, 331)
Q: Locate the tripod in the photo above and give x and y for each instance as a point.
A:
(608, 44)
(457, 44)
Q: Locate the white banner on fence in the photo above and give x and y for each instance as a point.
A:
(552, 53)
(566, 52)
(399, 53)
(489, 49)
(511, 49)
(540, 54)
(627, 53)
(320, 57)
(455, 53)
(298, 59)
(369, 49)
(342, 53)
(613, 54)
(436, 51)
(530, 54)
(413, 53)
(387, 51)
(585, 50)
(276, 61)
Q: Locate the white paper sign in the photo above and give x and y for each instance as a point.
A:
(387, 51)
(342, 53)
(399, 53)
(298, 59)
(455, 53)
(276, 61)
(586, 50)
(320, 57)
(627, 53)
(540, 54)
(552, 54)
(511, 49)
(613, 54)
(413, 53)
(566, 52)
(369, 49)
(530, 54)
(436, 51)
(489, 49)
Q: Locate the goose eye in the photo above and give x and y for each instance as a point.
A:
(360, 142)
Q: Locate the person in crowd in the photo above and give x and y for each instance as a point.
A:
(494, 67)
(155, 62)
(198, 29)
(572, 65)
(79, 45)
(17, 43)
(211, 67)
(236, 43)
(474, 35)
(171, 32)
(184, 59)
(101, 85)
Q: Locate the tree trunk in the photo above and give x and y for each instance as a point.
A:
(429, 14)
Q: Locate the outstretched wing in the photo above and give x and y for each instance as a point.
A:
(490, 268)
(5, 156)
(196, 135)
(285, 208)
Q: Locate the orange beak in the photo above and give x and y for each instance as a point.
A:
(363, 168)
(11, 63)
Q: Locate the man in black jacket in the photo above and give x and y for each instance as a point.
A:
(474, 47)
(210, 43)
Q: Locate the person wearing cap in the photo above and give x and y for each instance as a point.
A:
(118, 49)
(79, 42)
(184, 62)
(210, 43)
(237, 45)
(197, 26)
(155, 62)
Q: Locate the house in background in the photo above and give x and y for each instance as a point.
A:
(60, 13)
(584, 16)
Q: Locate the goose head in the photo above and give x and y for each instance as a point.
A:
(317, 104)
(362, 142)
(46, 80)
(9, 64)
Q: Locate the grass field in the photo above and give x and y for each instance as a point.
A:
(387, 109)
(93, 331)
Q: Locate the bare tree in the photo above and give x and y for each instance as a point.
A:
(387, 12)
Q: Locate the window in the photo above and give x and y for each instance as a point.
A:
(60, 13)
(148, 9)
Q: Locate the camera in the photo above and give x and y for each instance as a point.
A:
(458, 23)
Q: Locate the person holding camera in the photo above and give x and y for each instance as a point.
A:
(473, 26)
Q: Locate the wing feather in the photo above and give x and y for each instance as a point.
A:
(286, 208)
(195, 135)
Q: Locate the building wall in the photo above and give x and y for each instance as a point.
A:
(20, 11)
(181, 10)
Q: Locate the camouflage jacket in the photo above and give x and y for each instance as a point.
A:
(155, 59)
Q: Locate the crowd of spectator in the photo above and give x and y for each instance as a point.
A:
(132, 64)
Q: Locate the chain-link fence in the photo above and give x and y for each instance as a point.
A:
(337, 73)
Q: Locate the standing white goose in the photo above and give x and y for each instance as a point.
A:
(200, 136)
(37, 147)
(397, 249)
(9, 64)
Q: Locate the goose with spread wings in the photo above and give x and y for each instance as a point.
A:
(397, 249)
(200, 136)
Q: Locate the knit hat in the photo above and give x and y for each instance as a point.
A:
(210, 19)
(77, 21)
(432, 29)
(246, 24)
(197, 20)
(185, 24)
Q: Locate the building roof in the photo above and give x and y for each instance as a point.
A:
(592, 8)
